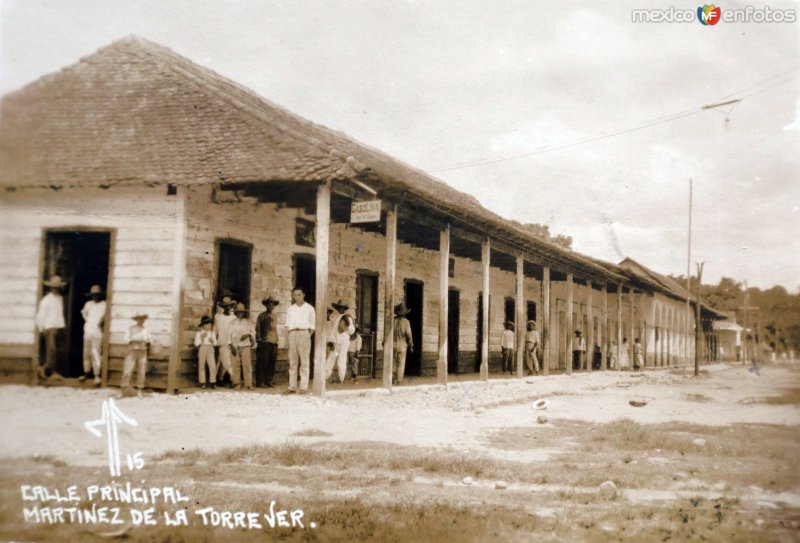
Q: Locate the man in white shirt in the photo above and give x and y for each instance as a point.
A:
(93, 314)
(222, 328)
(340, 328)
(300, 324)
(49, 321)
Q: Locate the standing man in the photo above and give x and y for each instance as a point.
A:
(300, 324)
(267, 351)
(93, 313)
(243, 335)
(222, 328)
(49, 322)
(340, 328)
(403, 341)
(578, 350)
(531, 348)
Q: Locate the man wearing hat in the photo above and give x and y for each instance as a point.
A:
(50, 321)
(403, 341)
(340, 328)
(578, 350)
(507, 346)
(243, 336)
(267, 337)
(222, 328)
(205, 340)
(93, 313)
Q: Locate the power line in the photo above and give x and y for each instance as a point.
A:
(619, 132)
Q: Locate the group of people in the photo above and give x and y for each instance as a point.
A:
(619, 358)
(531, 352)
(50, 324)
(232, 335)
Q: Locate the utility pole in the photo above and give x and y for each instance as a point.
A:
(698, 334)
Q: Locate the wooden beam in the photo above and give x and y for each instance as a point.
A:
(619, 326)
(569, 325)
(486, 254)
(178, 288)
(322, 233)
(630, 327)
(545, 327)
(603, 329)
(444, 279)
(519, 326)
(590, 331)
(388, 297)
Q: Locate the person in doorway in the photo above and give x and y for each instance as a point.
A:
(340, 328)
(93, 313)
(50, 322)
(205, 340)
(532, 348)
(300, 325)
(624, 355)
(222, 328)
(403, 341)
(638, 359)
(267, 338)
(243, 337)
(507, 346)
(578, 351)
(138, 338)
(352, 353)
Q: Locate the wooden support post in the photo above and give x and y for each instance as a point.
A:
(619, 327)
(388, 296)
(590, 332)
(569, 331)
(603, 329)
(322, 237)
(520, 325)
(444, 278)
(545, 327)
(178, 288)
(485, 259)
(631, 327)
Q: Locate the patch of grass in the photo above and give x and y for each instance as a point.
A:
(312, 432)
(701, 398)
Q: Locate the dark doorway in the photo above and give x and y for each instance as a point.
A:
(233, 270)
(453, 319)
(531, 311)
(414, 300)
(510, 310)
(305, 276)
(367, 318)
(81, 259)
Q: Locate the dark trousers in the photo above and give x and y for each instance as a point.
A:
(50, 349)
(577, 360)
(266, 355)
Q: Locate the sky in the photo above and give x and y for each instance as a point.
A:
(498, 99)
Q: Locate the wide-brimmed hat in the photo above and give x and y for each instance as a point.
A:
(139, 315)
(578, 332)
(55, 281)
(341, 305)
(240, 308)
(95, 290)
(205, 319)
(226, 301)
(401, 309)
(270, 300)
(533, 323)
(509, 324)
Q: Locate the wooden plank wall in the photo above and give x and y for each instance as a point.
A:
(140, 277)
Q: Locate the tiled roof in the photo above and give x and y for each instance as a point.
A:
(136, 112)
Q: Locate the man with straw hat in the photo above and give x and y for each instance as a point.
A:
(138, 338)
(93, 313)
(49, 322)
(403, 341)
(222, 328)
(340, 328)
(267, 337)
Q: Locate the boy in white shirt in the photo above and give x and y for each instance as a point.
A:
(205, 340)
(93, 313)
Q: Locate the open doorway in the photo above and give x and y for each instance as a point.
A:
(305, 276)
(233, 270)
(453, 319)
(367, 319)
(414, 300)
(81, 258)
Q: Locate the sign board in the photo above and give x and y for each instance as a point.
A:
(365, 211)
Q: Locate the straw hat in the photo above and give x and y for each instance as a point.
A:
(205, 319)
(226, 301)
(270, 300)
(240, 308)
(95, 290)
(141, 315)
(341, 306)
(400, 310)
(55, 282)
